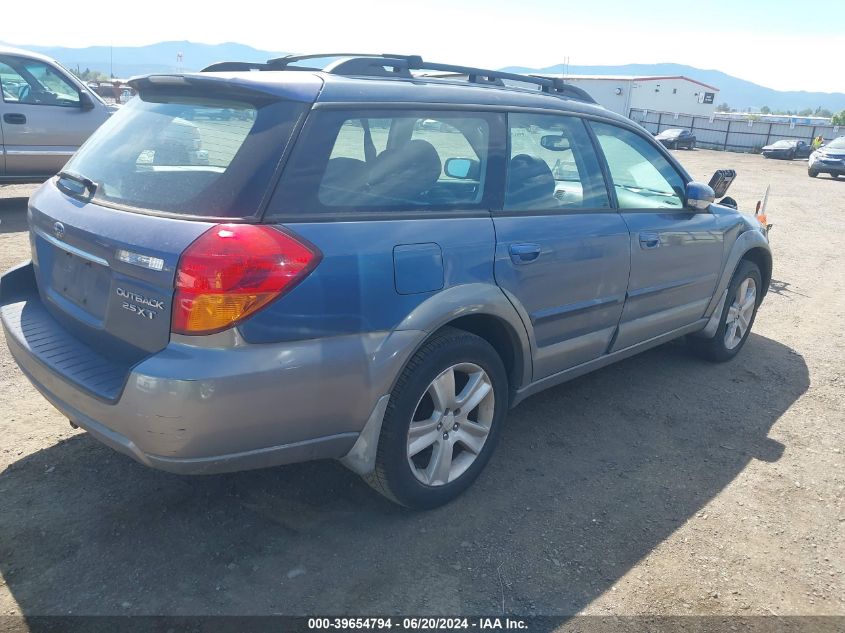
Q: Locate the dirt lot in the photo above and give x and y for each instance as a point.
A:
(661, 485)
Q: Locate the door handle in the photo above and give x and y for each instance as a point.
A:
(14, 118)
(524, 253)
(649, 240)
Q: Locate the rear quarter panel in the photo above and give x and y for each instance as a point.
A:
(354, 288)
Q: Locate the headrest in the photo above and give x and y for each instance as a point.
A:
(405, 172)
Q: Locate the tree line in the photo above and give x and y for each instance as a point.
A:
(837, 119)
(90, 75)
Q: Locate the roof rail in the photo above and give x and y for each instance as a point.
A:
(391, 65)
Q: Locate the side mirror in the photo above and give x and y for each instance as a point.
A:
(699, 196)
(85, 101)
(462, 168)
(555, 142)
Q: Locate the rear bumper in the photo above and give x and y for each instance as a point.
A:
(191, 409)
(317, 448)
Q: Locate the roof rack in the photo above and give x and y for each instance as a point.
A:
(400, 66)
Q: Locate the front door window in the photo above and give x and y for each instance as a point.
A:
(642, 176)
(35, 83)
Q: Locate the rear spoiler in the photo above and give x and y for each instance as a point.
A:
(304, 87)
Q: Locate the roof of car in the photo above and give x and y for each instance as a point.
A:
(10, 50)
(322, 87)
(340, 88)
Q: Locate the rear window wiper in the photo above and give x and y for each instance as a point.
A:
(87, 184)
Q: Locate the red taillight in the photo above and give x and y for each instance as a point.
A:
(233, 270)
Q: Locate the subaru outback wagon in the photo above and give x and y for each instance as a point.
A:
(370, 265)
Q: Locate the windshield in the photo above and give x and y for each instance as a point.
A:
(837, 143)
(784, 144)
(186, 154)
(671, 133)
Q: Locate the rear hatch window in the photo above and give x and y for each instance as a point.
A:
(187, 152)
(108, 233)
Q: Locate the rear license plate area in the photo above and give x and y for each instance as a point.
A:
(81, 282)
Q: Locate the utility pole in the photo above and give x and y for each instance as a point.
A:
(111, 61)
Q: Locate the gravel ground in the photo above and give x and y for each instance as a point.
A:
(661, 485)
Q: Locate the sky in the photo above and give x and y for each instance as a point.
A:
(782, 44)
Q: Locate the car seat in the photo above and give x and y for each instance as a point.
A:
(531, 184)
(344, 180)
(404, 173)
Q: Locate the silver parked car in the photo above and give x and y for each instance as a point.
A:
(828, 159)
(45, 115)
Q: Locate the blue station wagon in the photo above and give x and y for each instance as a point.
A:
(314, 257)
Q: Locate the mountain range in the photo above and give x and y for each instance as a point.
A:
(125, 61)
(736, 92)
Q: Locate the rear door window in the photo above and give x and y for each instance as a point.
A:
(188, 154)
(552, 165)
(388, 161)
(351, 138)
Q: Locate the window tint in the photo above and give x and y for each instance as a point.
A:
(447, 139)
(350, 139)
(352, 161)
(642, 176)
(35, 83)
(552, 165)
(187, 154)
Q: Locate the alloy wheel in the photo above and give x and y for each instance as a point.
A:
(450, 424)
(740, 313)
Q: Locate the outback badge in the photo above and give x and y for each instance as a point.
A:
(147, 308)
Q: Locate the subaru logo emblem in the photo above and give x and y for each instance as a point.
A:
(59, 230)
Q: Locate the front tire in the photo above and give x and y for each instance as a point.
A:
(442, 422)
(745, 292)
(812, 173)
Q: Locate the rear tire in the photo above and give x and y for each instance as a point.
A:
(430, 449)
(812, 173)
(745, 292)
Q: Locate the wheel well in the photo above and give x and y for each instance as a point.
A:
(501, 336)
(763, 259)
